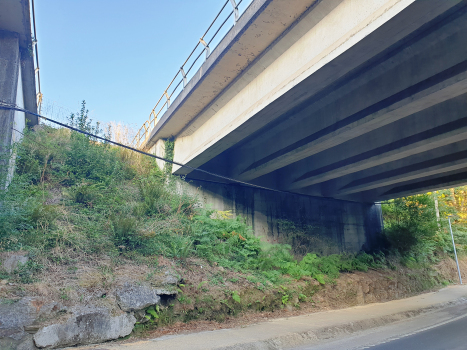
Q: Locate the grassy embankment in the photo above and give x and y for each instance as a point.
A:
(74, 201)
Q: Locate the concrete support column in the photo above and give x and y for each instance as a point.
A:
(9, 76)
(330, 225)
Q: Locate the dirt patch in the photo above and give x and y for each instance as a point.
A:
(448, 269)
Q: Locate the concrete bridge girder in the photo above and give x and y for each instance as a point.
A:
(386, 145)
(443, 164)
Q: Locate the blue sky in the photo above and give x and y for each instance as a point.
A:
(117, 55)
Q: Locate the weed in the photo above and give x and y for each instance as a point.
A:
(25, 273)
(236, 296)
(217, 280)
(114, 203)
(64, 294)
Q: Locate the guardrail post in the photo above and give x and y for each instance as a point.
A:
(235, 10)
(154, 115)
(168, 98)
(206, 47)
(184, 76)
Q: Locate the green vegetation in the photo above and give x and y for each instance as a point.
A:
(413, 231)
(73, 197)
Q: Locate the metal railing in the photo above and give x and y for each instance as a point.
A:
(36, 62)
(171, 92)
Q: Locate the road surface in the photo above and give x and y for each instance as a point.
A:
(441, 330)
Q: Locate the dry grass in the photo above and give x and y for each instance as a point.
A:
(121, 133)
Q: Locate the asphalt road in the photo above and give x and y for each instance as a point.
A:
(440, 330)
(452, 336)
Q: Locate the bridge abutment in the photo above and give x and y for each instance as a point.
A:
(321, 225)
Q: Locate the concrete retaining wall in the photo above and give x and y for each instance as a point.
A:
(337, 226)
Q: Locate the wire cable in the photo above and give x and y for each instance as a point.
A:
(16, 108)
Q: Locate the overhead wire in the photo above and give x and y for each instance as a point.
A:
(3, 105)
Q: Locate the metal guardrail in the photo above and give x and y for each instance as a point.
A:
(36, 62)
(170, 92)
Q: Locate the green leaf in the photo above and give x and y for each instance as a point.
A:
(152, 312)
(236, 296)
(319, 278)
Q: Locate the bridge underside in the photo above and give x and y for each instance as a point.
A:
(395, 124)
(343, 103)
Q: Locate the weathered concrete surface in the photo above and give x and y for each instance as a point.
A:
(159, 150)
(17, 78)
(87, 325)
(307, 329)
(337, 226)
(9, 72)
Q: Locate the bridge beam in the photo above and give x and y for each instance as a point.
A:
(440, 165)
(314, 62)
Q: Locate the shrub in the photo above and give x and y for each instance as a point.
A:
(410, 224)
(124, 232)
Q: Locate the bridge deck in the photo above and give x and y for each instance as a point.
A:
(360, 100)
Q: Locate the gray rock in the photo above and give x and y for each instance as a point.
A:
(136, 297)
(167, 279)
(26, 343)
(14, 318)
(170, 277)
(11, 263)
(88, 325)
(163, 291)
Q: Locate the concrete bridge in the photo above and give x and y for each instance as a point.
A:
(342, 102)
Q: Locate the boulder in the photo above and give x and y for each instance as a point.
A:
(136, 297)
(11, 262)
(18, 320)
(87, 325)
